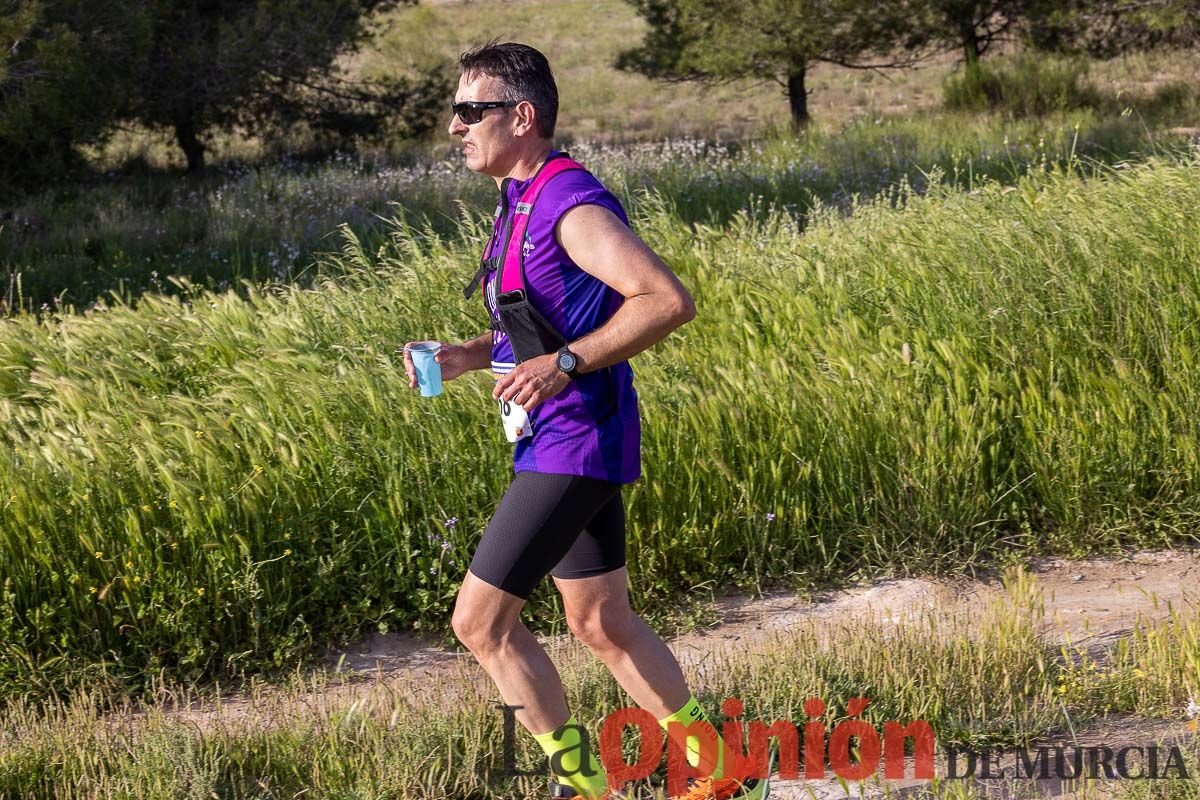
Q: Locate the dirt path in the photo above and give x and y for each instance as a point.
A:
(1090, 602)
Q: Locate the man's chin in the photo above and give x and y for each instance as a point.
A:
(477, 163)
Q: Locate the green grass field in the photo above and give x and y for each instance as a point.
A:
(904, 389)
(988, 680)
(73, 248)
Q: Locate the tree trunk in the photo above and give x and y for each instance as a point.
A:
(970, 45)
(797, 96)
(185, 135)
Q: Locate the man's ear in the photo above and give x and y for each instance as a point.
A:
(526, 117)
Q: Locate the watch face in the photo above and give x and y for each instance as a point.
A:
(566, 362)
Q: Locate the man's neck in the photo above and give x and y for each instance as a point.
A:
(527, 165)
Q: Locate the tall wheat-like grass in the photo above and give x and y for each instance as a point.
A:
(204, 485)
(71, 247)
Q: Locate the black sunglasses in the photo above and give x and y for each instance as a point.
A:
(471, 111)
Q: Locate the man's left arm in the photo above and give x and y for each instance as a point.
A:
(656, 303)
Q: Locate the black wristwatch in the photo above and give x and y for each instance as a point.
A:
(567, 362)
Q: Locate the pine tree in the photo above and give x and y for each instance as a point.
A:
(775, 40)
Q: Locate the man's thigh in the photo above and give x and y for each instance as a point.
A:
(536, 523)
(600, 547)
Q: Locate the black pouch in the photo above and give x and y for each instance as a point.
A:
(528, 331)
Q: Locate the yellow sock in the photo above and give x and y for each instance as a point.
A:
(691, 712)
(566, 751)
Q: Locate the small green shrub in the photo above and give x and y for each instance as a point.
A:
(1023, 85)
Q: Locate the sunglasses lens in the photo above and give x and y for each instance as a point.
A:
(468, 114)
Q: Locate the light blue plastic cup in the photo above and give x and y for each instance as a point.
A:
(429, 372)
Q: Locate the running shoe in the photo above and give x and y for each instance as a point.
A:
(725, 789)
(729, 788)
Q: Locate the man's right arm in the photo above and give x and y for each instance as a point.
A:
(457, 359)
(473, 354)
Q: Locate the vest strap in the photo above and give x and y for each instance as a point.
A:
(528, 332)
(512, 272)
(485, 265)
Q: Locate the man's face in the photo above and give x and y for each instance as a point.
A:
(487, 143)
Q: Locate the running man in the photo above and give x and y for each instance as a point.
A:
(599, 295)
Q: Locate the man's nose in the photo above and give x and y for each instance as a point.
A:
(456, 127)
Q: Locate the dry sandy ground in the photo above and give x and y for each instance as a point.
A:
(1089, 602)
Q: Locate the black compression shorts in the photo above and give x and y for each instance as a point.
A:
(567, 525)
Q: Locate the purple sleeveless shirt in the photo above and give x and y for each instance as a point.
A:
(590, 428)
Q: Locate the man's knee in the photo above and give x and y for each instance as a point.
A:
(478, 629)
(602, 628)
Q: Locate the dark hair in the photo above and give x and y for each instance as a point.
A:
(525, 73)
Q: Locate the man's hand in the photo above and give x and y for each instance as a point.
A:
(453, 358)
(532, 381)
